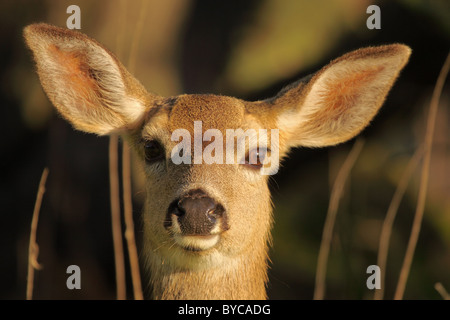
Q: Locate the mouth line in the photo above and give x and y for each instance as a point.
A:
(196, 243)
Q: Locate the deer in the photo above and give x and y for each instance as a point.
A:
(207, 226)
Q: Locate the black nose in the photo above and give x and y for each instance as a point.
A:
(197, 213)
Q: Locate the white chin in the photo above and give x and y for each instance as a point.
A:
(196, 243)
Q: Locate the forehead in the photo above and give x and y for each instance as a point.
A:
(218, 112)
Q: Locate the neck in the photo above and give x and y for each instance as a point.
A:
(243, 278)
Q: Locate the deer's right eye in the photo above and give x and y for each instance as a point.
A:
(154, 151)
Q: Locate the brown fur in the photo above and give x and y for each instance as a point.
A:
(90, 88)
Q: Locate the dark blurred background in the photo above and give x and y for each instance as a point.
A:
(248, 49)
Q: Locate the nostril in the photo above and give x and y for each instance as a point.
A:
(211, 212)
(217, 211)
(175, 209)
(179, 210)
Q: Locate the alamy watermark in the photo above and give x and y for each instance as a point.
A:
(250, 141)
(74, 280)
(374, 280)
(74, 20)
(374, 20)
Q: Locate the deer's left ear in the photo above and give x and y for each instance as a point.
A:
(341, 99)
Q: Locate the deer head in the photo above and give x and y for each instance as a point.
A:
(207, 223)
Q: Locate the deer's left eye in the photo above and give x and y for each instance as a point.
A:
(255, 158)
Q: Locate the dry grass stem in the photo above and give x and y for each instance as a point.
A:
(115, 217)
(33, 249)
(388, 223)
(122, 23)
(129, 224)
(136, 36)
(404, 273)
(126, 173)
(327, 234)
(440, 288)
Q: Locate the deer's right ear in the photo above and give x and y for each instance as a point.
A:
(85, 82)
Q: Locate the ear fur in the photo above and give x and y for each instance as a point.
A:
(85, 82)
(341, 99)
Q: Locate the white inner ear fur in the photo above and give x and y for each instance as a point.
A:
(113, 87)
(311, 125)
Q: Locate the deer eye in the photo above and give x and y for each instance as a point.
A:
(255, 158)
(154, 151)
